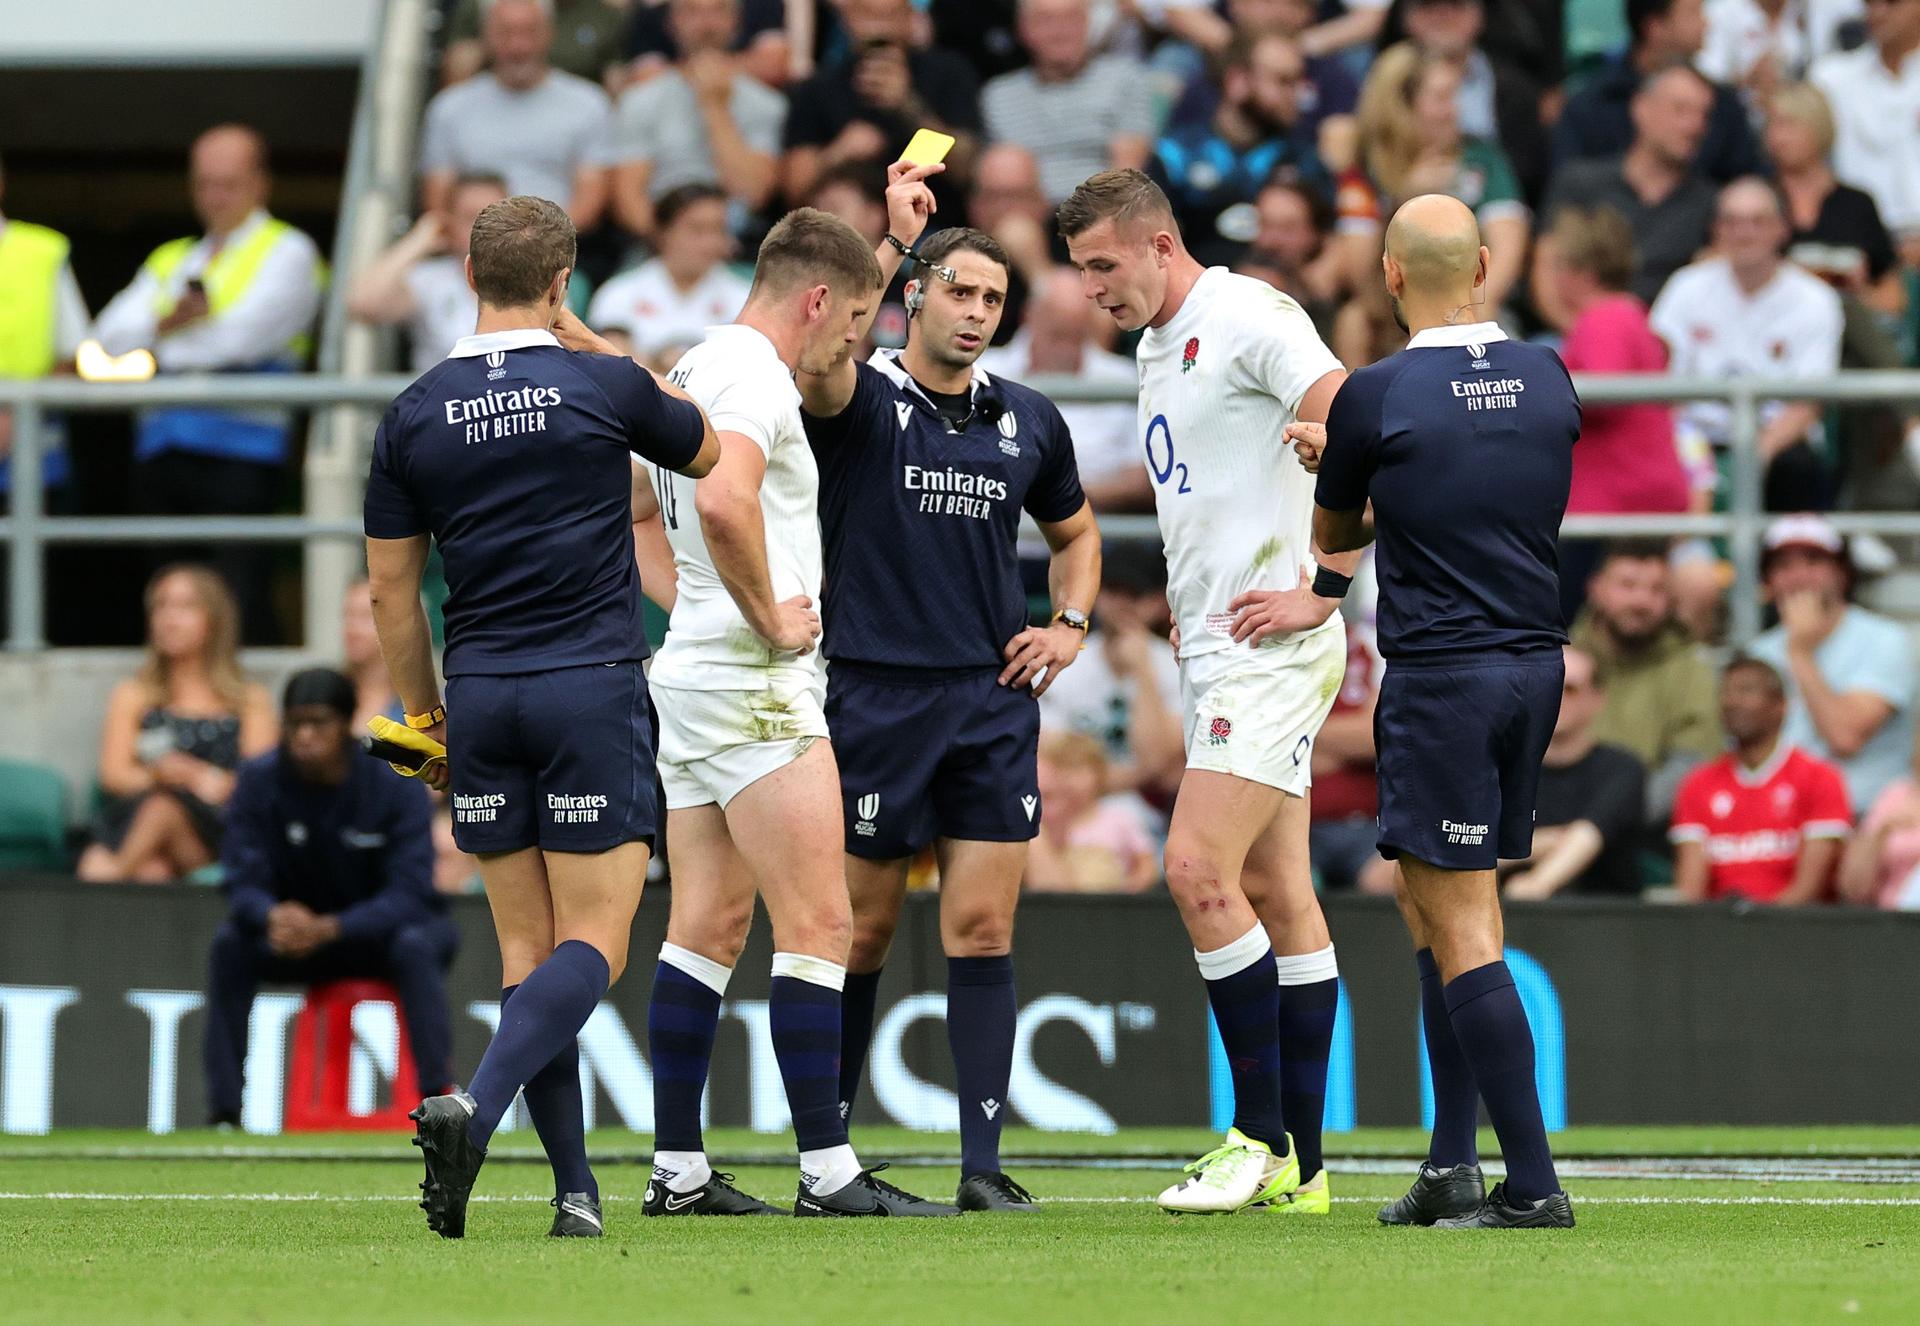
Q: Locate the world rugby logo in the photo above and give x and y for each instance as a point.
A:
(868, 806)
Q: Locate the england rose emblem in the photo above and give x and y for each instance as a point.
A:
(1190, 354)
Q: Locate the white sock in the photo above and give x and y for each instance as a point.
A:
(1242, 953)
(828, 1170)
(1307, 968)
(682, 1171)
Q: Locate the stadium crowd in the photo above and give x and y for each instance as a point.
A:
(1710, 188)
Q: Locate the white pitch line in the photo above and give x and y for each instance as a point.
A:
(1579, 1199)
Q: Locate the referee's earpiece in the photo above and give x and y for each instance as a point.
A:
(916, 296)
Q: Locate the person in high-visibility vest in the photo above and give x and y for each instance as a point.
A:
(43, 319)
(241, 298)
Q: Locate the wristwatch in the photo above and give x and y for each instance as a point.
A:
(1073, 617)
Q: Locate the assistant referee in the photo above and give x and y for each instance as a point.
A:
(1463, 444)
(514, 456)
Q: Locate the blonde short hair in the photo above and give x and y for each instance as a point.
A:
(1807, 104)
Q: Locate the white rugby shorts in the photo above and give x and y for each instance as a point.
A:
(1253, 713)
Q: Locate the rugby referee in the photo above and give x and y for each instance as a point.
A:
(513, 456)
(1463, 443)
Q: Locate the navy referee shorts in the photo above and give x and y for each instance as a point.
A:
(931, 753)
(560, 760)
(1459, 741)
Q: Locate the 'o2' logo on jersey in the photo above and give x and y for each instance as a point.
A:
(1164, 469)
(669, 501)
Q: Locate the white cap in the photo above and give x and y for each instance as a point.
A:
(1805, 531)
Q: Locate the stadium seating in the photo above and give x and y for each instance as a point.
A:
(33, 833)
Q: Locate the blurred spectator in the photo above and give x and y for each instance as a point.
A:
(1125, 690)
(667, 303)
(589, 38)
(1764, 822)
(1591, 796)
(1345, 24)
(1661, 701)
(1007, 202)
(1344, 836)
(856, 193)
(1598, 121)
(1089, 842)
(1759, 46)
(541, 130)
(421, 279)
(1412, 144)
(1882, 864)
(239, 299)
(1837, 232)
(1058, 337)
(1324, 98)
(1076, 112)
(868, 105)
(362, 661)
(454, 872)
(1293, 250)
(1212, 172)
(43, 319)
(700, 121)
(1875, 95)
(771, 38)
(1749, 313)
(174, 734)
(1850, 671)
(1666, 201)
(328, 868)
(1626, 460)
(1498, 99)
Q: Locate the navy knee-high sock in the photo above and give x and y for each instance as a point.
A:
(1491, 1025)
(1307, 1008)
(553, 1102)
(981, 1017)
(545, 1016)
(856, 1033)
(803, 1012)
(1244, 989)
(682, 1018)
(1456, 1098)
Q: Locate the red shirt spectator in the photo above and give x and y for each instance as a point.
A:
(1765, 821)
(1349, 790)
(1752, 822)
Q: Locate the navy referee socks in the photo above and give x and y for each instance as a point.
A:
(554, 1105)
(982, 1015)
(1491, 1025)
(1456, 1099)
(542, 1019)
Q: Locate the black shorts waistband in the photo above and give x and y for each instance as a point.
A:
(1475, 659)
(894, 674)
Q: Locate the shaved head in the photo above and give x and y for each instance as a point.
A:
(1436, 242)
(1434, 261)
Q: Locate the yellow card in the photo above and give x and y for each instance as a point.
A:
(927, 148)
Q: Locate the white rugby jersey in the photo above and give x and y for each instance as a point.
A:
(1218, 383)
(741, 383)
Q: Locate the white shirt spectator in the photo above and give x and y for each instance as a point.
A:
(1069, 125)
(444, 308)
(1876, 116)
(1740, 35)
(535, 139)
(1790, 327)
(278, 305)
(659, 122)
(1089, 698)
(657, 315)
(1103, 433)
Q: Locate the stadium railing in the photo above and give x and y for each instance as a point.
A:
(332, 524)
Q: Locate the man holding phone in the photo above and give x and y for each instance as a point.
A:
(926, 465)
(862, 107)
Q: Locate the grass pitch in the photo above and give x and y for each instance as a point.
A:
(1676, 1225)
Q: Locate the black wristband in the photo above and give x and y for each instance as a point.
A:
(906, 250)
(1330, 584)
